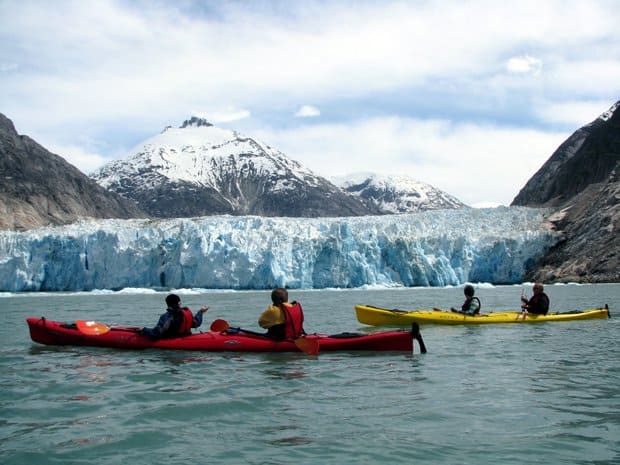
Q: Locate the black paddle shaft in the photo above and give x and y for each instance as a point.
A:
(415, 333)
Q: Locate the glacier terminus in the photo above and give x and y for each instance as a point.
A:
(434, 248)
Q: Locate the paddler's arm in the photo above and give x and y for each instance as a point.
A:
(271, 317)
(198, 316)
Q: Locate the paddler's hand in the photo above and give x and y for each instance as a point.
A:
(203, 309)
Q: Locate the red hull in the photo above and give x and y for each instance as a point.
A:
(50, 332)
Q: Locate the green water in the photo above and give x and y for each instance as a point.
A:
(499, 394)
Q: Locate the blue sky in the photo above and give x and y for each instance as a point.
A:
(471, 97)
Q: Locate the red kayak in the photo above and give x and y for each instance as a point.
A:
(90, 333)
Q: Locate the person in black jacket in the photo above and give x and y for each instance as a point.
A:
(176, 322)
(538, 304)
(472, 304)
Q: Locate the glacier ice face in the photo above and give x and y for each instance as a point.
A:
(438, 248)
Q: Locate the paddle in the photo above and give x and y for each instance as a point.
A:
(308, 346)
(415, 332)
(92, 328)
(219, 325)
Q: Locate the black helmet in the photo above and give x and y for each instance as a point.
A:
(469, 290)
(173, 300)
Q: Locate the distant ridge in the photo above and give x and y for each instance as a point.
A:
(396, 193)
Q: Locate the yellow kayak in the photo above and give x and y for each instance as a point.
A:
(376, 316)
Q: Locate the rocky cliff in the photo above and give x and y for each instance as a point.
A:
(39, 188)
(581, 180)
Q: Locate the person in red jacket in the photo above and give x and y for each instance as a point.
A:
(282, 320)
(176, 322)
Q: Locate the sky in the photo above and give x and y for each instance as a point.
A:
(470, 97)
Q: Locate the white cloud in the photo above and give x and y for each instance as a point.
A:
(84, 160)
(106, 71)
(573, 113)
(524, 65)
(474, 163)
(226, 116)
(110, 55)
(307, 111)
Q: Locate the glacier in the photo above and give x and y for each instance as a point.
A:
(435, 248)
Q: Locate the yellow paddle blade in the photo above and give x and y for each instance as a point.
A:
(92, 328)
(309, 346)
(219, 325)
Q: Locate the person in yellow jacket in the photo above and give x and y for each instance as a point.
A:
(282, 320)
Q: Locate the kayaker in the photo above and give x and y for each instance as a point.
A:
(538, 304)
(472, 305)
(176, 322)
(282, 320)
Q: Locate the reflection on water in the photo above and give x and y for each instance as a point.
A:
(284, 374)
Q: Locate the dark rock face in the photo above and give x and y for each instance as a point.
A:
(582, 181)
(39, 188)
(238, 194)
(591, 251)
(588, 156)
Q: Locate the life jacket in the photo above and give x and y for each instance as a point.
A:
(293, 321)
(467, 305)
(183, 322)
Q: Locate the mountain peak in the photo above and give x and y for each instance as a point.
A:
(606, 116)
(396, 193)
(589, 156)
(196, 121)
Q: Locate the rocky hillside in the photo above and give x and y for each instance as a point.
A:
(39, 188)
(581, 181)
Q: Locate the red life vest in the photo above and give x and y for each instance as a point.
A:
(187, 321)
(293, 321)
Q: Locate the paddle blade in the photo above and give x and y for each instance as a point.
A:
(219, 325)
(415, 333)
(92, 328)
(309, 346)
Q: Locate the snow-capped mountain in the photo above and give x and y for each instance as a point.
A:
(199, 169)
(396, 194)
